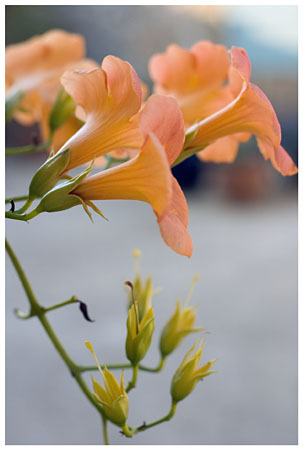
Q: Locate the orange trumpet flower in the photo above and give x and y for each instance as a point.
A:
(227, 114)
(147, 177)
(249, 111)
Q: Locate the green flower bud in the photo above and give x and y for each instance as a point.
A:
(139, 334)
(179, 325)
(142, 290)
(188, 375)
(48, 175)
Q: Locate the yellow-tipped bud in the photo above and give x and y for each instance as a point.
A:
(113, 397)
(188, 374)
(179, 325)
(139, 334)
(142, 290)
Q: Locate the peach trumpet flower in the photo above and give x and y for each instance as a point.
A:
(196, 79)
(109, 100)
(33, 69)
(250, 111)
(147, 177)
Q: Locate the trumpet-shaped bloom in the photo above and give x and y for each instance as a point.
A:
(109, 99)
(250, 111)
(33, 69)
(179, 325)
(147, 177)
(196, 78)
(227, 114)
(113, 396)
(188, 374)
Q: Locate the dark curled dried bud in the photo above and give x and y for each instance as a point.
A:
(12, 206)
(83, 309)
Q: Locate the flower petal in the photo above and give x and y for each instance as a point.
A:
(223, 150)
(174, 222)
(173, 70)
(161, 115)
(212, 63)
(124, 87)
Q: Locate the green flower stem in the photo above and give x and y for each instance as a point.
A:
(154, 369)
(133, 381)
(130, 431)
(124, 366)
(23, 217)
(184, 155)
(157, 422)
(25, 207)
(105, 432)
(19, 198)
(38, 310)
(28, 148)
(109, 366)
(73, 299)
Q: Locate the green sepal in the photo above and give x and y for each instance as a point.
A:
(48, 175)
(190, 136)
(63, 107)
(59, 198)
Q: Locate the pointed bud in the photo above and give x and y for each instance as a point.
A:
(139, 334)
(142, 290)
(113, 396)
(48, 175)
(61, 196)
(179, 325)
(188, 375)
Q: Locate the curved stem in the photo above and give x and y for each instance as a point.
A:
(23, 217)
(130, 431)
(154, 369)
(38, 310)
(27, 149)
(157, 422)
(133, 382)
(25, 207)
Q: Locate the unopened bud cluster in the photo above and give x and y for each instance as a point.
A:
(140, 325)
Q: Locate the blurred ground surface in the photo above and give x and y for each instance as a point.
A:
(247, 297)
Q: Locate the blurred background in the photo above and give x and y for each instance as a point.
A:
(243, 222)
